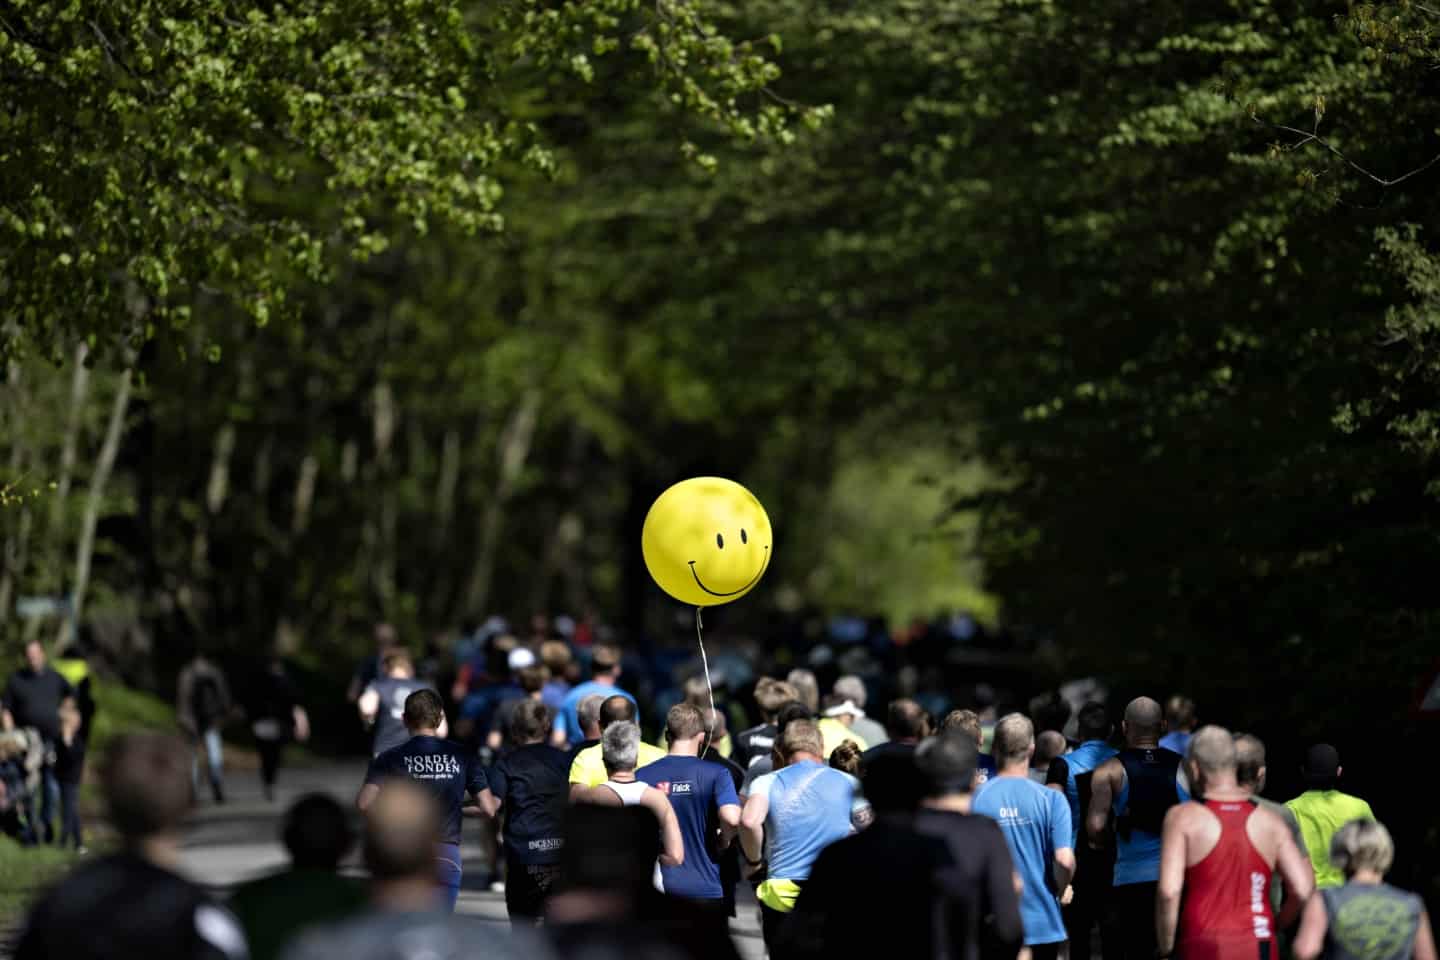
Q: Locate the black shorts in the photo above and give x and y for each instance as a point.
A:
(527, 887)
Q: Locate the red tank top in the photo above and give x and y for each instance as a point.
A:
(1227, 894)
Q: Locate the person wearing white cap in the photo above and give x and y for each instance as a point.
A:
(852, 688)
(531, 677)
(836, 717)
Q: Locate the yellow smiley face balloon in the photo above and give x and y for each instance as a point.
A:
(706, 541)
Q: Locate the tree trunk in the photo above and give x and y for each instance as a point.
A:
(513, 451)
(79, 387)
(304, 494)
(98, 481)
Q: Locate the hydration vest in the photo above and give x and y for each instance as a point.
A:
(1151, 789)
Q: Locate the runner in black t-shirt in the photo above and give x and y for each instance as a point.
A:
(755, 743)
(531, 783)
(444, 768)
(947, 883)
(131, 904)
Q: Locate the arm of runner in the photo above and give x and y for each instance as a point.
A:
(1172, 880)
(672, 844)
(1102, 795)
(752, 826)
(367, 796)
(302, 723)
(1299, 875)
(1313, 925)
(486, 805)
(1063, 866)
(603, 795)
(1424, 938)
(1058, 775)
(369, 704)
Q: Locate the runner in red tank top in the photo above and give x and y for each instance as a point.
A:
(1217, 858)
(1225, 914)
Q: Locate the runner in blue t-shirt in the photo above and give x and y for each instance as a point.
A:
(1036, 824)
(444, 768)
(705, 802)
(605, 668)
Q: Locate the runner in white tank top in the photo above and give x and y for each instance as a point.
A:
(619, 747)
(629, 793)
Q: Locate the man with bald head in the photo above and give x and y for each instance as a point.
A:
(1217, 857)
(588, 767)
(1139, 786)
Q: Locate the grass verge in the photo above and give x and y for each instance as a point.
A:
(24, 872)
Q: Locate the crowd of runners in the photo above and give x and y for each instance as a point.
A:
(1127, 831)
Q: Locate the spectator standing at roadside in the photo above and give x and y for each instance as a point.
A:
(32, 700)
(69, 772)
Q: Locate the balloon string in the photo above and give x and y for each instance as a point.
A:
(705, 662)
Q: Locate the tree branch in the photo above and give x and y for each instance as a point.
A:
(1313, 136)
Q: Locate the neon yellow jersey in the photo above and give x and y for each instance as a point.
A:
(73, 671)
(589, 766)
(834, 733)
(1320, 814)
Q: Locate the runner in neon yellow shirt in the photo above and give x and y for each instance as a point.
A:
(1323, 809)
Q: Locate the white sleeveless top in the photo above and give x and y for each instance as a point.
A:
(629, 793)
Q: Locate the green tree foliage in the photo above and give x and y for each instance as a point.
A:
(163, 161)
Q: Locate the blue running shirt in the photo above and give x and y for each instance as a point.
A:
(697, 790)
(1036, 823)
(810, 807)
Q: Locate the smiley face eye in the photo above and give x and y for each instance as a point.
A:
(743, 538)
(719, 541)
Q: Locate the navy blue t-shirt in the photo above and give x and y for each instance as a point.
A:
(697, 789)
(534, 783)
(443, 767)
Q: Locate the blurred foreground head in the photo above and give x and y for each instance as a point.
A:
(317, 832)
(401, 832)
(146, 781)
(610, 849)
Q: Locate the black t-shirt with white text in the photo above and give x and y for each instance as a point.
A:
(534, 783)
(446, 769)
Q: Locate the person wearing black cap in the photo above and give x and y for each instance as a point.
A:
(1322, 810)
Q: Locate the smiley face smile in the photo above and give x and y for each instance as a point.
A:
(747, 586)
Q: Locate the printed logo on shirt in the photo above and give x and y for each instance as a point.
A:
(433, 766)
(676, 786)
(547, 843)
(1011, 817)
(1257, 906)
(1371, 925)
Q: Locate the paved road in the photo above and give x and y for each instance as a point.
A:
(229, 844)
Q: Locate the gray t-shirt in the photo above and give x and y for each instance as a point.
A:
(390, 717)
(1370, 922)
(404, 936)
